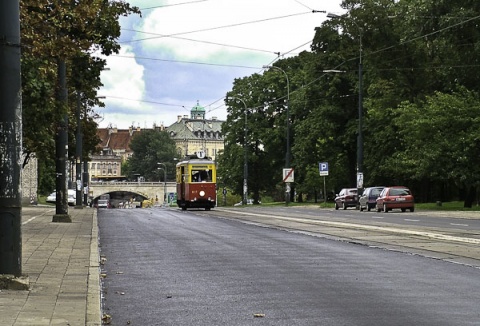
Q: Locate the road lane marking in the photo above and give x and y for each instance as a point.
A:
(410, 220)
(431, 235)
(30, 219)
(34, 217)
(457, 224)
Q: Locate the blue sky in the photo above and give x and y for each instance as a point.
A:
(183, 51)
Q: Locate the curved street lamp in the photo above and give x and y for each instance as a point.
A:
(360, 110)
(287, 154)
(245, 158)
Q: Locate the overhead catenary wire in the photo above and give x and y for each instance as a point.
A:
(173, 5)
(371, 53)
(217, 27)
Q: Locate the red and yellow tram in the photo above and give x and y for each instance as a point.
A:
(196, 183)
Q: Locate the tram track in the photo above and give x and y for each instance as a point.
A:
(447, 244)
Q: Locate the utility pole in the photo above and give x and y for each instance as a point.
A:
(78, 156)
(10, 140)
(61, 142)
(85, 182)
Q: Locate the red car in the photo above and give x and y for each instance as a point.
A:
(395, 197)
(346, 198)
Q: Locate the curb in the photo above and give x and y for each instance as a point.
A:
(93, 314)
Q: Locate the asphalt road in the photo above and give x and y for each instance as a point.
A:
(168, 267)
(451, 236)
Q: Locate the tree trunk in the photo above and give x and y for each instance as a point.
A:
(470, 198)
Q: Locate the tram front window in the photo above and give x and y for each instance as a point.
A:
(201, 175)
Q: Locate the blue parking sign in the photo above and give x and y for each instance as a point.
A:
(323, 168)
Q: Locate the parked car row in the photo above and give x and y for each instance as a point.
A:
(71, 199)
(380, 198)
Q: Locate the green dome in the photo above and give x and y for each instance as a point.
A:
(197, 112)
(198, 108)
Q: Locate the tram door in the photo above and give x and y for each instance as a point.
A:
(182, 171)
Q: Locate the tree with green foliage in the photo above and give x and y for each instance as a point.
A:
(442, 141)
(417, 60)
(72, 31)
(151, 147)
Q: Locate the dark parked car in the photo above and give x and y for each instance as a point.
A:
(395, 197)
(347, 197)
(368, 199)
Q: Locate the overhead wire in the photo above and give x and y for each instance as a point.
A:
(172, 5)
(278, 54)
(186, 62)
(217, 27)
(388, 48)
(201, 41)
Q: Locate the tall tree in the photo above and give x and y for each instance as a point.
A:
(263, 160)
(73, 31)
(151, 147)
(442, 140)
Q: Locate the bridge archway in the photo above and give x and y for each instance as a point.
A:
(120, 196)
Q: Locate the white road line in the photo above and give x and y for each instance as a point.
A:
(378, 217)
(431, 235)
(31, 219)
(457, 224)
(410, 220)
(34, 217)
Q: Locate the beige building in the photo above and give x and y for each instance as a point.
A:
(196, 133)
(114, 150)
(191, 134)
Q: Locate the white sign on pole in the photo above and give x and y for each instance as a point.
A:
(359, 180)
(288, 175)
(323, 168)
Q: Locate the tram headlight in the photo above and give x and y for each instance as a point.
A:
(202, 193)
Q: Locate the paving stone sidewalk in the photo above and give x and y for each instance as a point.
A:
(62, 264)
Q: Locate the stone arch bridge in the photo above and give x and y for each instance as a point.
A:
(134, 191)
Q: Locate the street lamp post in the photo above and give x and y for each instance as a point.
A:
(164, 183)
(86, 176)
(78, 156)
(360, 111)
(287, 154)
(245, 155)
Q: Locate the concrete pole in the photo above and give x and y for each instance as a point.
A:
(85, 182)
(10, 139)
(61, 142)
(78, 156)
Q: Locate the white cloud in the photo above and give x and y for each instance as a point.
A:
(160, 84)
(124, 77)
(271, 26)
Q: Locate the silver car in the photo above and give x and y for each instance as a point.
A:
(103, 203)
(368, 199)
(71, 198)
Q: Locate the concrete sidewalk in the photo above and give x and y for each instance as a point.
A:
(61, 261)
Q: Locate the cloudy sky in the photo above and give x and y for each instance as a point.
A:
(183, 51)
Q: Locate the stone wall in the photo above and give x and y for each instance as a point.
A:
(29, 177)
